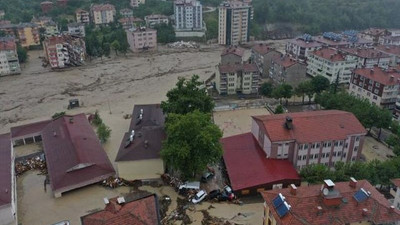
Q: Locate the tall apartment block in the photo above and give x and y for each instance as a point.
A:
(233, 26)
(188, 15)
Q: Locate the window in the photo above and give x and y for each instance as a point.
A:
(339, 153)
(336, 143)
(327, 154)
(376, 91)
(325, 144)
(375, 97)
(353, 158)
(377, 84)
(340, 143)
(355, 148)
(329, 144)
(304, 157)
(313, 145)
(316, 156)
(305, 146)
(318, 145)
(311, 156)
(346, 145)
(344, 155)
(357, 138)
(334, 154)
(299, 157)
(300, 147)
(323, 155)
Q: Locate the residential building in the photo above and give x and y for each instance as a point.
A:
(301, 47)
(64, 51)
(232, 55)
(188, 15)
(237, 79)
(28, 34)
(41, 21)
(8, 194)
(285, 69)
(5, 22)
(395, 192)
(262, 55)
(367, 57)
(345, 40)
(142, 39)
(379, 86)
(373, 34)
(139, 157)
(28, 133)
(51, 29)
(332, 64)
(102, 14)
(46, 6)
(353, 202)
(62, 3)
(298, 137)
(130, 22)
(391, 40)
(9, 63)
(126, 12)
(129, 209)
(76, 29)
(154, 19)
(233, 28)
(393, 51)
(136, 3)
(82, 16)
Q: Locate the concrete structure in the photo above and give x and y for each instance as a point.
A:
(136, 3)
(41, 21)
(233, 28)
(391, 40)
(284, 69)
(393, 51)
(353, 202)
(76, 29)
(64, 51)
(332, 64)
(154, 19)
(130, 22)
(373, 34)
(46, 6)
(262, 55)
(102, 14)
(301, 47)
(315, 137)
(126, 12)
(8, 194)
(188, 34)
(82, 16)
(367, 57)
(9, 63)
(237, 79)
(2, 14)
(232, 55)
(380, 87)
(188, 15)
(28, 34)
(139, 157)
(51, 29)
(142, 39)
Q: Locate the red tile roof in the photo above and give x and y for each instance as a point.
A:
(233, 50)
(262, 48)
(143, 211)
(232, 68)
(304, 44)
(329, 54)
(29, 129)
(74, 155)
(248, 167)
(7, 44)
(386, 77)
(5, 170)
(307, 126)
(130, 19)
(284, 61)
(389, 49)
(304, 206)
(396, 182)
(102, 7)
(368, 53)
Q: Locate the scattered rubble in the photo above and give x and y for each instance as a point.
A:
(210, 220)
(34, 163)
(179, 213)
(114, 182)
(171, 181)
(183, 44)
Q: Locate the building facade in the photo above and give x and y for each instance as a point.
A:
(9, 63)
(393, 51)
(50, 29)
(232, 55)
(262, 55)
(28, 34)
(233, 28)
(126, 12)
(76, 29)
(154, 19)
(102, 14)
(297, 137)
(142, 39)
(367, 57)
(82, 16)
(136, 3)
(64, 51)
(301, 47)
(285, 69)
(373, 34)
(391, 40)
(237, 79)
(188, 15)
(130, 22)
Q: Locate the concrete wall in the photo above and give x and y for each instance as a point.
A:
(6, 215)
(141, 170)
(189, 33)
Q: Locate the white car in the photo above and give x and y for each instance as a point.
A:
(199, 196)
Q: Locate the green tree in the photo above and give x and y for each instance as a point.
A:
(103, 132)
(188, 96)
(320, 84)
(392, 140)
(97, 121)
(266, 89)
(57, 115)
(303, 89)
(283, 91)
(279, 109)
(165, 33)
(192, 142)
(116, 46)
(22, 54)
(315, 173)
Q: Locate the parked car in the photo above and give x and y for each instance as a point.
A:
(199, 196)
(214, 194)
(183, 188)
(206, 177)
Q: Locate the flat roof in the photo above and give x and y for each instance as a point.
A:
(5, 169)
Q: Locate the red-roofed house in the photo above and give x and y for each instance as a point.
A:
(285, 69)
(354, 202)
(28, 133)
(367, 57)
(74, 155)
(130, 22)
(262, 55)
(373, 34)
(393, 51)
(232, 55)
(8, 207)
(237, 78)
(304, 138)
(300, 48)
(126, 211)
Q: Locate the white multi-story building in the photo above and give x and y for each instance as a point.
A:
(64, 51)
(301, 47)
(76, 29)
(237, 78)
(188, 15)
(102, 14)
(393, 51)
(367, 57)
(136, 3)
(154, 19)
(9, 63)
(82, 16)
(233, 27)
(332, 64)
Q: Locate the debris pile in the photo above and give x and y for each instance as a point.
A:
(183, 44)
(179, 213)
(34, 163)
(114, 182)
(210, 220)
(171, 181)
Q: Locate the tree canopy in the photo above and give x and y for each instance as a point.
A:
(320, 84)
(266, 89)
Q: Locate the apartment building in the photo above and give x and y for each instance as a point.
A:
(350, 202)
(142, 39)
(379, 86)
(154, 19)
(64, 51)
(332, 64)
(9, 63)
(136, 3)
(237, 79)
(345, 40)
(46, 6)
(28, 34)
(126, 12)
(393, 51)
(82, 16)
(285, 69)
(373, 34)
(102, 14)
(130, 22)
(76, 29)
(367, 57)
(232, 55)
(305, 138)
(262, 55)
(188, 15)
(301, 47)
(233, 23)
(395, 192)
(50, 29)
(41, 21)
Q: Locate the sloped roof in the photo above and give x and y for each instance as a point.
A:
(232, 68)
(233, 50)
(262, 48)
(5, 169)
(28, 129)
(307, 126)
(389, 49)
(102, 7)
(248, 166)
(329, 54)
(368, 53)
(305, 44)
(386, 77)
(284, 61)
(7, 44)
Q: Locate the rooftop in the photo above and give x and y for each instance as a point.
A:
(262, 48)
(248, 166)
(284, 61)
(233, 50)
(329, 54)
(7, 44)
(389, 49)
(102, 7)
(329, 42)
(232, 68)
(81, 11)
(28, 129)
(309, 207)
(374, 31)
(386, 77)
(130, 19)
(368, 53)
(392, 38)
(156, 16)
(305, 44)
(307, 126)
(5, 170)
